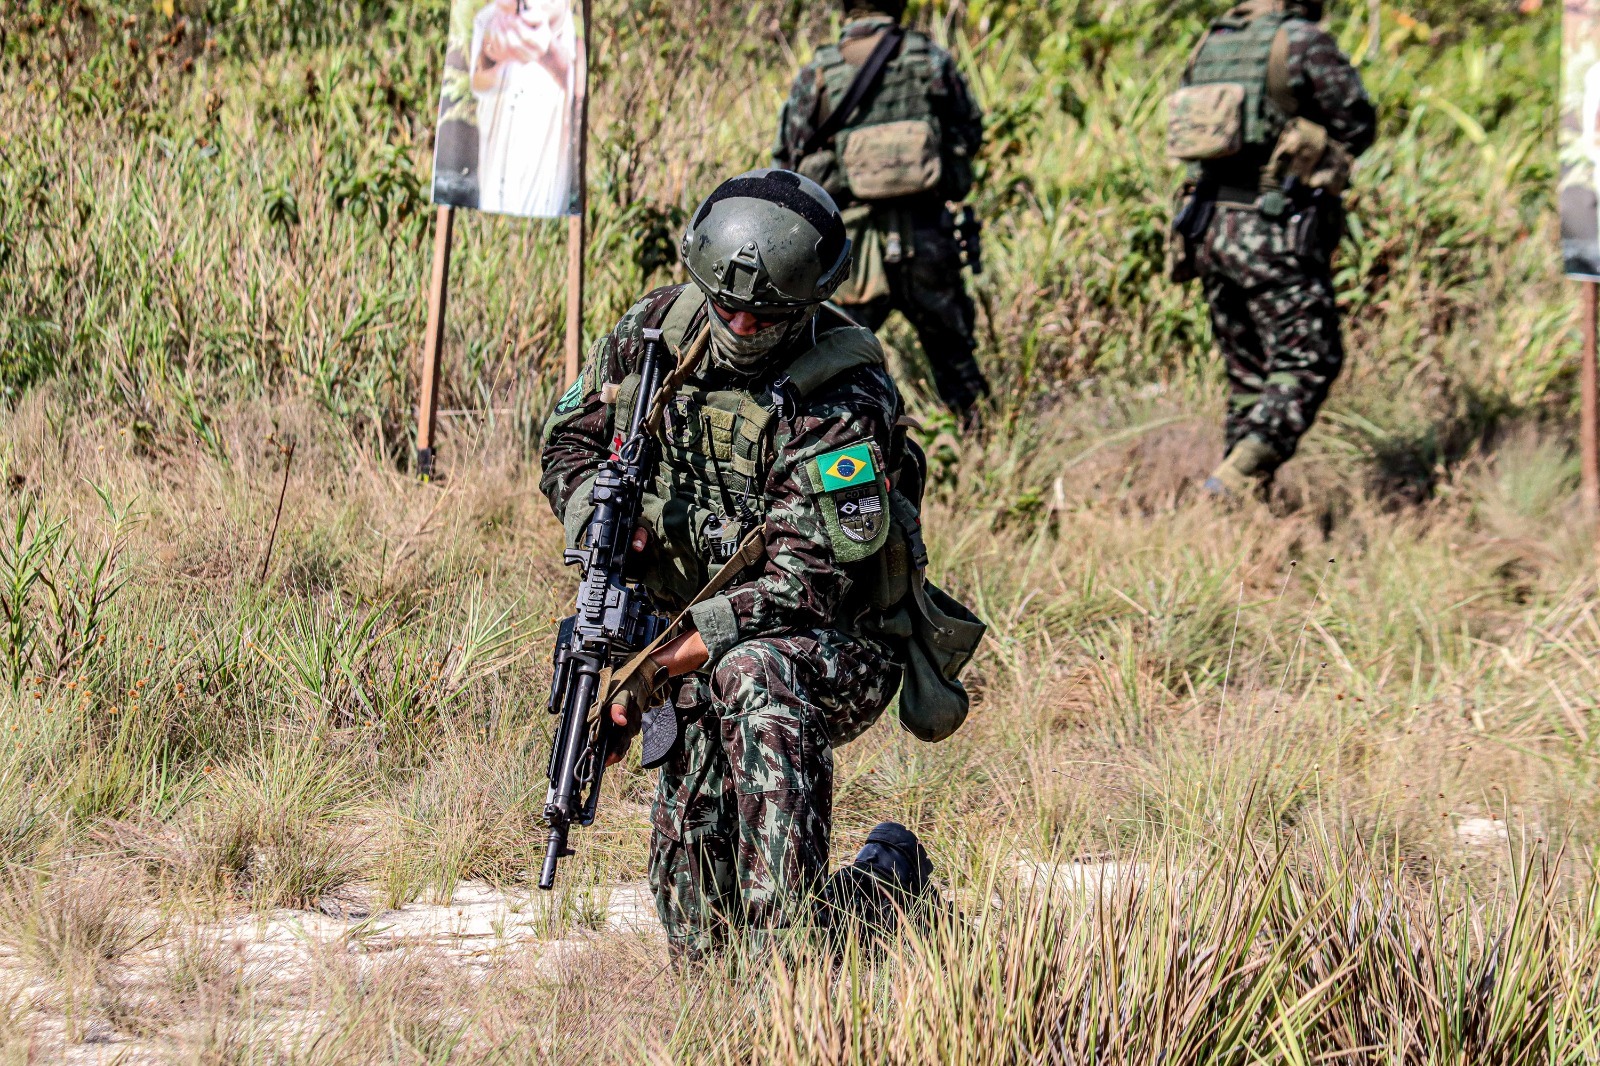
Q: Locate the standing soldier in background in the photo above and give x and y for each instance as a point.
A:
(1270, 117)
(885, 123)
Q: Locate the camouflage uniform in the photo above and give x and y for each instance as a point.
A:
(742, 815)
(908, 257)
(1273, 307)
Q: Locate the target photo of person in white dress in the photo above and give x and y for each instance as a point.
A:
(509, 114)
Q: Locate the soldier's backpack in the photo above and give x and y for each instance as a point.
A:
(1235, 93)
(932, 634)
(1236, 101)
(880, 139)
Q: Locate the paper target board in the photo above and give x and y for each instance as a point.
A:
(510, 108)
(1580, 139)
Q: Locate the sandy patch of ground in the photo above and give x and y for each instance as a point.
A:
(480, 924)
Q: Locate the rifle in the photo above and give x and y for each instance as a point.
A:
(615, 619)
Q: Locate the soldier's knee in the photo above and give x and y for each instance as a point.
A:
(749, 672)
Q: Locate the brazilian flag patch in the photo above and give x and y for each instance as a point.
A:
(847, 468)
(854, 500)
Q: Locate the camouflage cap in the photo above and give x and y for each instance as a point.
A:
(1310, 10)
(767, 240)
(862, 8)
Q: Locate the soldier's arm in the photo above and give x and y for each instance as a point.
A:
(1329, 88)
(577, 437)
(794, 121)
(801, 582)
(958, 110)
(579, 432)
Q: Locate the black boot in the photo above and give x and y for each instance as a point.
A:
(889, 881)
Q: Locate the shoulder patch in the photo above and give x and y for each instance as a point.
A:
(847, 467)
(853, 498)
(572, 398)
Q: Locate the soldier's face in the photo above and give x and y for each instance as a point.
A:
(746, 324)
(744, 341)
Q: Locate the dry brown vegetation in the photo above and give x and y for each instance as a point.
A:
(1311, 783)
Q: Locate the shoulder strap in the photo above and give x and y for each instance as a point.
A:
(1278, 89)
(1194, 56)
(688, 359)
(837, 352)
(866, 80)
(680, 316)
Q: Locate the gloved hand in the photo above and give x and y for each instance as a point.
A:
(630, 696)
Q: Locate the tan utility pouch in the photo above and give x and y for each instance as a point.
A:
(1205, 122)
(1305, 151)
(892, 159)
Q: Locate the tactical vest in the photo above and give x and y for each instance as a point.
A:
(1250, 52)
(717, 449)
(899, 134)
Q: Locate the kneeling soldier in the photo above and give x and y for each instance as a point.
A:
(779, 417)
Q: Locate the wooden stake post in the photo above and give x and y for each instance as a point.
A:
(433, 343)
(1589, 386)
(575, 224)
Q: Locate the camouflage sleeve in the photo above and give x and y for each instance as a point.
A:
(958, 112)
(803, 582)
(1329, 88)
(794, 121)
(578, 434)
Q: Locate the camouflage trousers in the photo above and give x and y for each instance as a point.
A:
(1276, 321)
(929, 290)
(743, 813)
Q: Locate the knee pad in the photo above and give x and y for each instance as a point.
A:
(747, 666)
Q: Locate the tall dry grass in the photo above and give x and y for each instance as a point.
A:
(1339, 756)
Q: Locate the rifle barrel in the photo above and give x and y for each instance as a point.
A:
(552, 855)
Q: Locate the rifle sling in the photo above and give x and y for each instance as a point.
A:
(866, 80)
(750, 549)
(692, 354)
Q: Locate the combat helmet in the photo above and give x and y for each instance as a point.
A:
(768, 242)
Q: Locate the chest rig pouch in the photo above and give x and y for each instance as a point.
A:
(717, 447)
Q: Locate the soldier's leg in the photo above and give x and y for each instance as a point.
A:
(691, 845)
(1234, 329)
(783, 703)
(930, 291)
(1299, 324)
(1237, 260)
